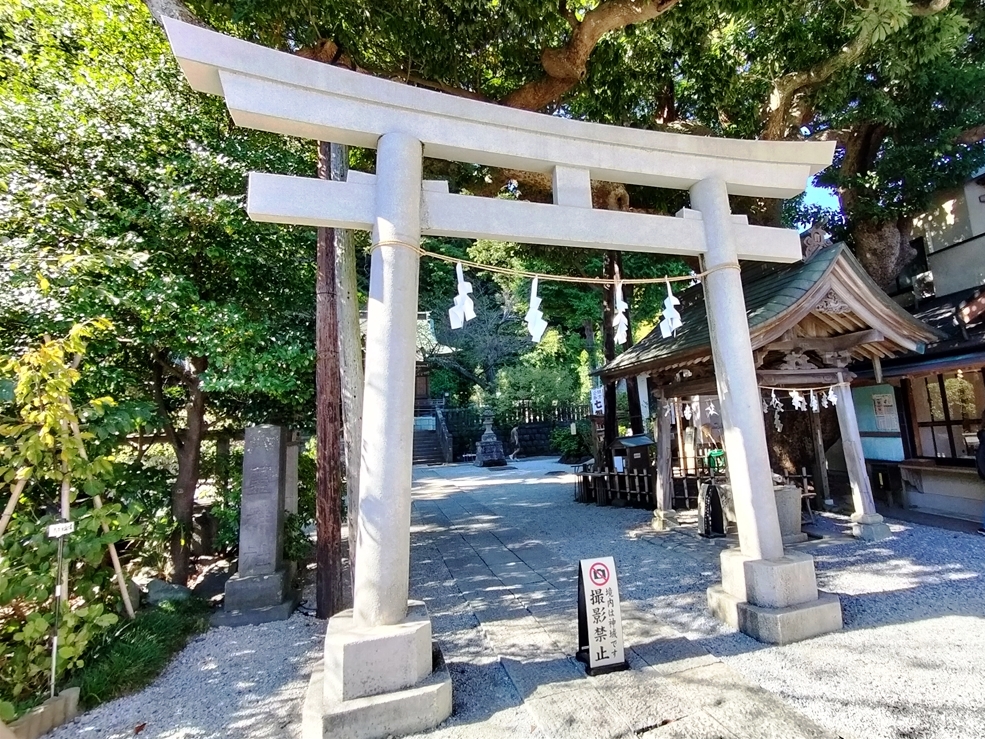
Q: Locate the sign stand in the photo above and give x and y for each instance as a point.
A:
(600, 642)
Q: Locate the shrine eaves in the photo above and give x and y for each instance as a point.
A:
(269, 90)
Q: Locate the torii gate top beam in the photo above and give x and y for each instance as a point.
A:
(269, 90)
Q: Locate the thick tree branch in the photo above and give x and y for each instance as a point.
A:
(788, 87)
(171, 9)
(972, 135)
(567, 65)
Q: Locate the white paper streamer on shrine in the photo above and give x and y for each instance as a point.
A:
(535, 318)
(463, 310)
(619, 321)
(672, 319)
(832, 398)
(798, 400)
(814, 403)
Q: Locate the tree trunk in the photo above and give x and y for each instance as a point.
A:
(189, 453)
(328, 464)
(350, 359)
(883, 248)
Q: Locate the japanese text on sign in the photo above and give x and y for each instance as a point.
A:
(604, 621)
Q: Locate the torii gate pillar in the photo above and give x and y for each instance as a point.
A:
(379, 677)
(765, 593)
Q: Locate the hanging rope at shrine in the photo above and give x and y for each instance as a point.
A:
(547, 277)
(463, 311)
(802, 399)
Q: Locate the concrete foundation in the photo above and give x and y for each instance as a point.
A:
(377, 681)
(773, 601)
(870, 527)
(363, 661)
(257, 599)
(409, 711)
(664, 520)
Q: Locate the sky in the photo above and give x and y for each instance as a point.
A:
(822, 196)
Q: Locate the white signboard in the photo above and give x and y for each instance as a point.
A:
(884, 407)
(57, 530)
(644, 392)
(598, 401)
(599, 617)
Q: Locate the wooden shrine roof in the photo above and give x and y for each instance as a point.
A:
(826, 303)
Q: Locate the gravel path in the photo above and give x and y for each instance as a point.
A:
(909, 663)
(243, 683)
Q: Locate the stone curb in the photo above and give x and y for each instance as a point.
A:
(51, 714)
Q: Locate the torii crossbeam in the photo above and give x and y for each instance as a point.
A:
(378, 656)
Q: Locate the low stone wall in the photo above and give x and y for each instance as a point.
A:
(51, 714)
(535, 438)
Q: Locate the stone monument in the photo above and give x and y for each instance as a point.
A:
(261, 590)
(489, 449)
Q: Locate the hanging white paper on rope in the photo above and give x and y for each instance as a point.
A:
(814, 403)
(832, 398)
(619, 320)
(775, 403)
(672, 319)
(798, 400)
(710, 410)
(777, 423)
(686, 412)
(535, 318)
(463, 310)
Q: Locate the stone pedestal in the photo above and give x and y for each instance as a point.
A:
(489, 449)
(869, 527)
(788, 505)
(664, 520)
(261, 589)
(774, 601)
(377, 681)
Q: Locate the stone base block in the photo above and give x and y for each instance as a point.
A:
(791, 624)
(777, 625)
(794, 539)
(778, 583)
(252, 616)
(664, 520)
(366, 661)
(869, 527)
(247, 592)
(408, 711)
(723, 605)
(871, 531)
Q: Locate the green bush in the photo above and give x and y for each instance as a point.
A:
(573, 446)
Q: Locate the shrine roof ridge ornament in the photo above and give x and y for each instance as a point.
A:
(279, 92)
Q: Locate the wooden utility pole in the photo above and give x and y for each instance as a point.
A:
(328, 426)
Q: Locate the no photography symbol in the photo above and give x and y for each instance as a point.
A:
(598, 573)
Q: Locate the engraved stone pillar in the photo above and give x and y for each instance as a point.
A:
(291, 476)
(866, 523)
(261, 589)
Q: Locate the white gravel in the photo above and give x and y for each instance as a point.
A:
(909, 664)
(243, 683)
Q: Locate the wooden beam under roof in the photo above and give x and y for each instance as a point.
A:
(829, 344)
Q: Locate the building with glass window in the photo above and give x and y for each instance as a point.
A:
(920, 414)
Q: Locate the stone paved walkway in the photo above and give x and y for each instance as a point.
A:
(504, 610)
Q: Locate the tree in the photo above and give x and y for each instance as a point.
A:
(776, 71)
(124, 198)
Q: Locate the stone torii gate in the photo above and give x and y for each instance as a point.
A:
(379, 677)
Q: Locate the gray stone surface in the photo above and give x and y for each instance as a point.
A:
(397, 713)
(159, 591)
(261, 590)
(261, 520)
